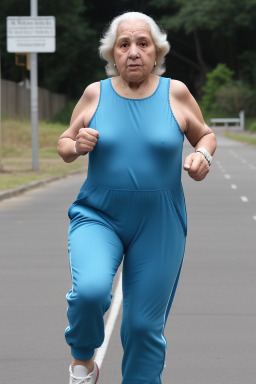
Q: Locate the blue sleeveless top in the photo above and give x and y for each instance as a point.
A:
(140, 142)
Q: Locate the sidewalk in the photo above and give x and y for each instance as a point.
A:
(35, 184)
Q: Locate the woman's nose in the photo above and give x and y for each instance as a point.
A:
(133, 52)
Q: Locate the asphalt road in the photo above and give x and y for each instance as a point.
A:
(211, 329)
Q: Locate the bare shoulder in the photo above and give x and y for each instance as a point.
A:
(180, 94)
(92, 91)
(87, 104)
(179, 90)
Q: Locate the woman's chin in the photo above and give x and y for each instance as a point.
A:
(135, 74)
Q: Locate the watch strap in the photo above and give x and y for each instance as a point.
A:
(206, 154)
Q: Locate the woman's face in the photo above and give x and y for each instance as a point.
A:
(134, 50)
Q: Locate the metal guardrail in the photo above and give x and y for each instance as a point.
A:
(231, 123)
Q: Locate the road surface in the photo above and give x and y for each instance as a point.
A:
(211, 329)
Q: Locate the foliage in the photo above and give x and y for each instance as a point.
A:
(217, 78)
(247, 67)
(213, 15)
(74, 38)
(237, 96)
(207, 32)
(202, 33)
(63, 71)
(64, 115)
(10, 8)
(253, 127)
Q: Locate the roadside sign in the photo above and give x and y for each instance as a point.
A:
(31, 34)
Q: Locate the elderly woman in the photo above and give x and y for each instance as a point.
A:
(131, 207)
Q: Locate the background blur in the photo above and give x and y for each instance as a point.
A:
(202, 33)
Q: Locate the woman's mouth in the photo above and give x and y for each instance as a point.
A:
(134, 65)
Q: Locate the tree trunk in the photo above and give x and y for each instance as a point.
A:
(199, 55)
(186, 60)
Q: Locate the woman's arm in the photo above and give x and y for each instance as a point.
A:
(198, 133)
(78, 139)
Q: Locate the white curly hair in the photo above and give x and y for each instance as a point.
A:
(108, 40)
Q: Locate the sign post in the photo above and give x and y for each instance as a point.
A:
(34, 96)
(32, 34)
(1, 165)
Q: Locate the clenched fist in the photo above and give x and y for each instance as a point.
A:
(197, 166)
(86, 140)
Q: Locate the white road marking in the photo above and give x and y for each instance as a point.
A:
(233, 186)
(227, 176)
(244, 199)
(254, 218)
(114, 309)
(233, 153)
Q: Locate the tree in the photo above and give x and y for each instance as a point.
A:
(10, 8)
(72, 64)
(216, 79)
(67, 69)
(220, 30)
(202, 34)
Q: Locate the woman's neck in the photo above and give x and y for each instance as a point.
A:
(135, 89)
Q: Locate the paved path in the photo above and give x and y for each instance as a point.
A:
(211, 330)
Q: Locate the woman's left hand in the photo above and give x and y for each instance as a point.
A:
(197, 166)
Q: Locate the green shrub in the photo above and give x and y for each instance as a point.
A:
(252, 127)
(237, 96)
(220, 76)
(64, 115)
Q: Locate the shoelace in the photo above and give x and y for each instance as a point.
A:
(84, 380)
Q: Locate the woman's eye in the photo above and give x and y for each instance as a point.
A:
(124, 45)
(143, 44)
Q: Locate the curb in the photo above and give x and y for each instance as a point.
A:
(35, 184)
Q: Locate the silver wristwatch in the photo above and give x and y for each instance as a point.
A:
(206, 154)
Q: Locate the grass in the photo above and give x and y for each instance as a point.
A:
(16, 153)
(242, 138)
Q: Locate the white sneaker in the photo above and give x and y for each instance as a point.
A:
(79, 375)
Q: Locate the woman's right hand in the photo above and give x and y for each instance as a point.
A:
(86, 140)
(78, 139)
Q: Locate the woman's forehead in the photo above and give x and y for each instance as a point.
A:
(135, 27)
